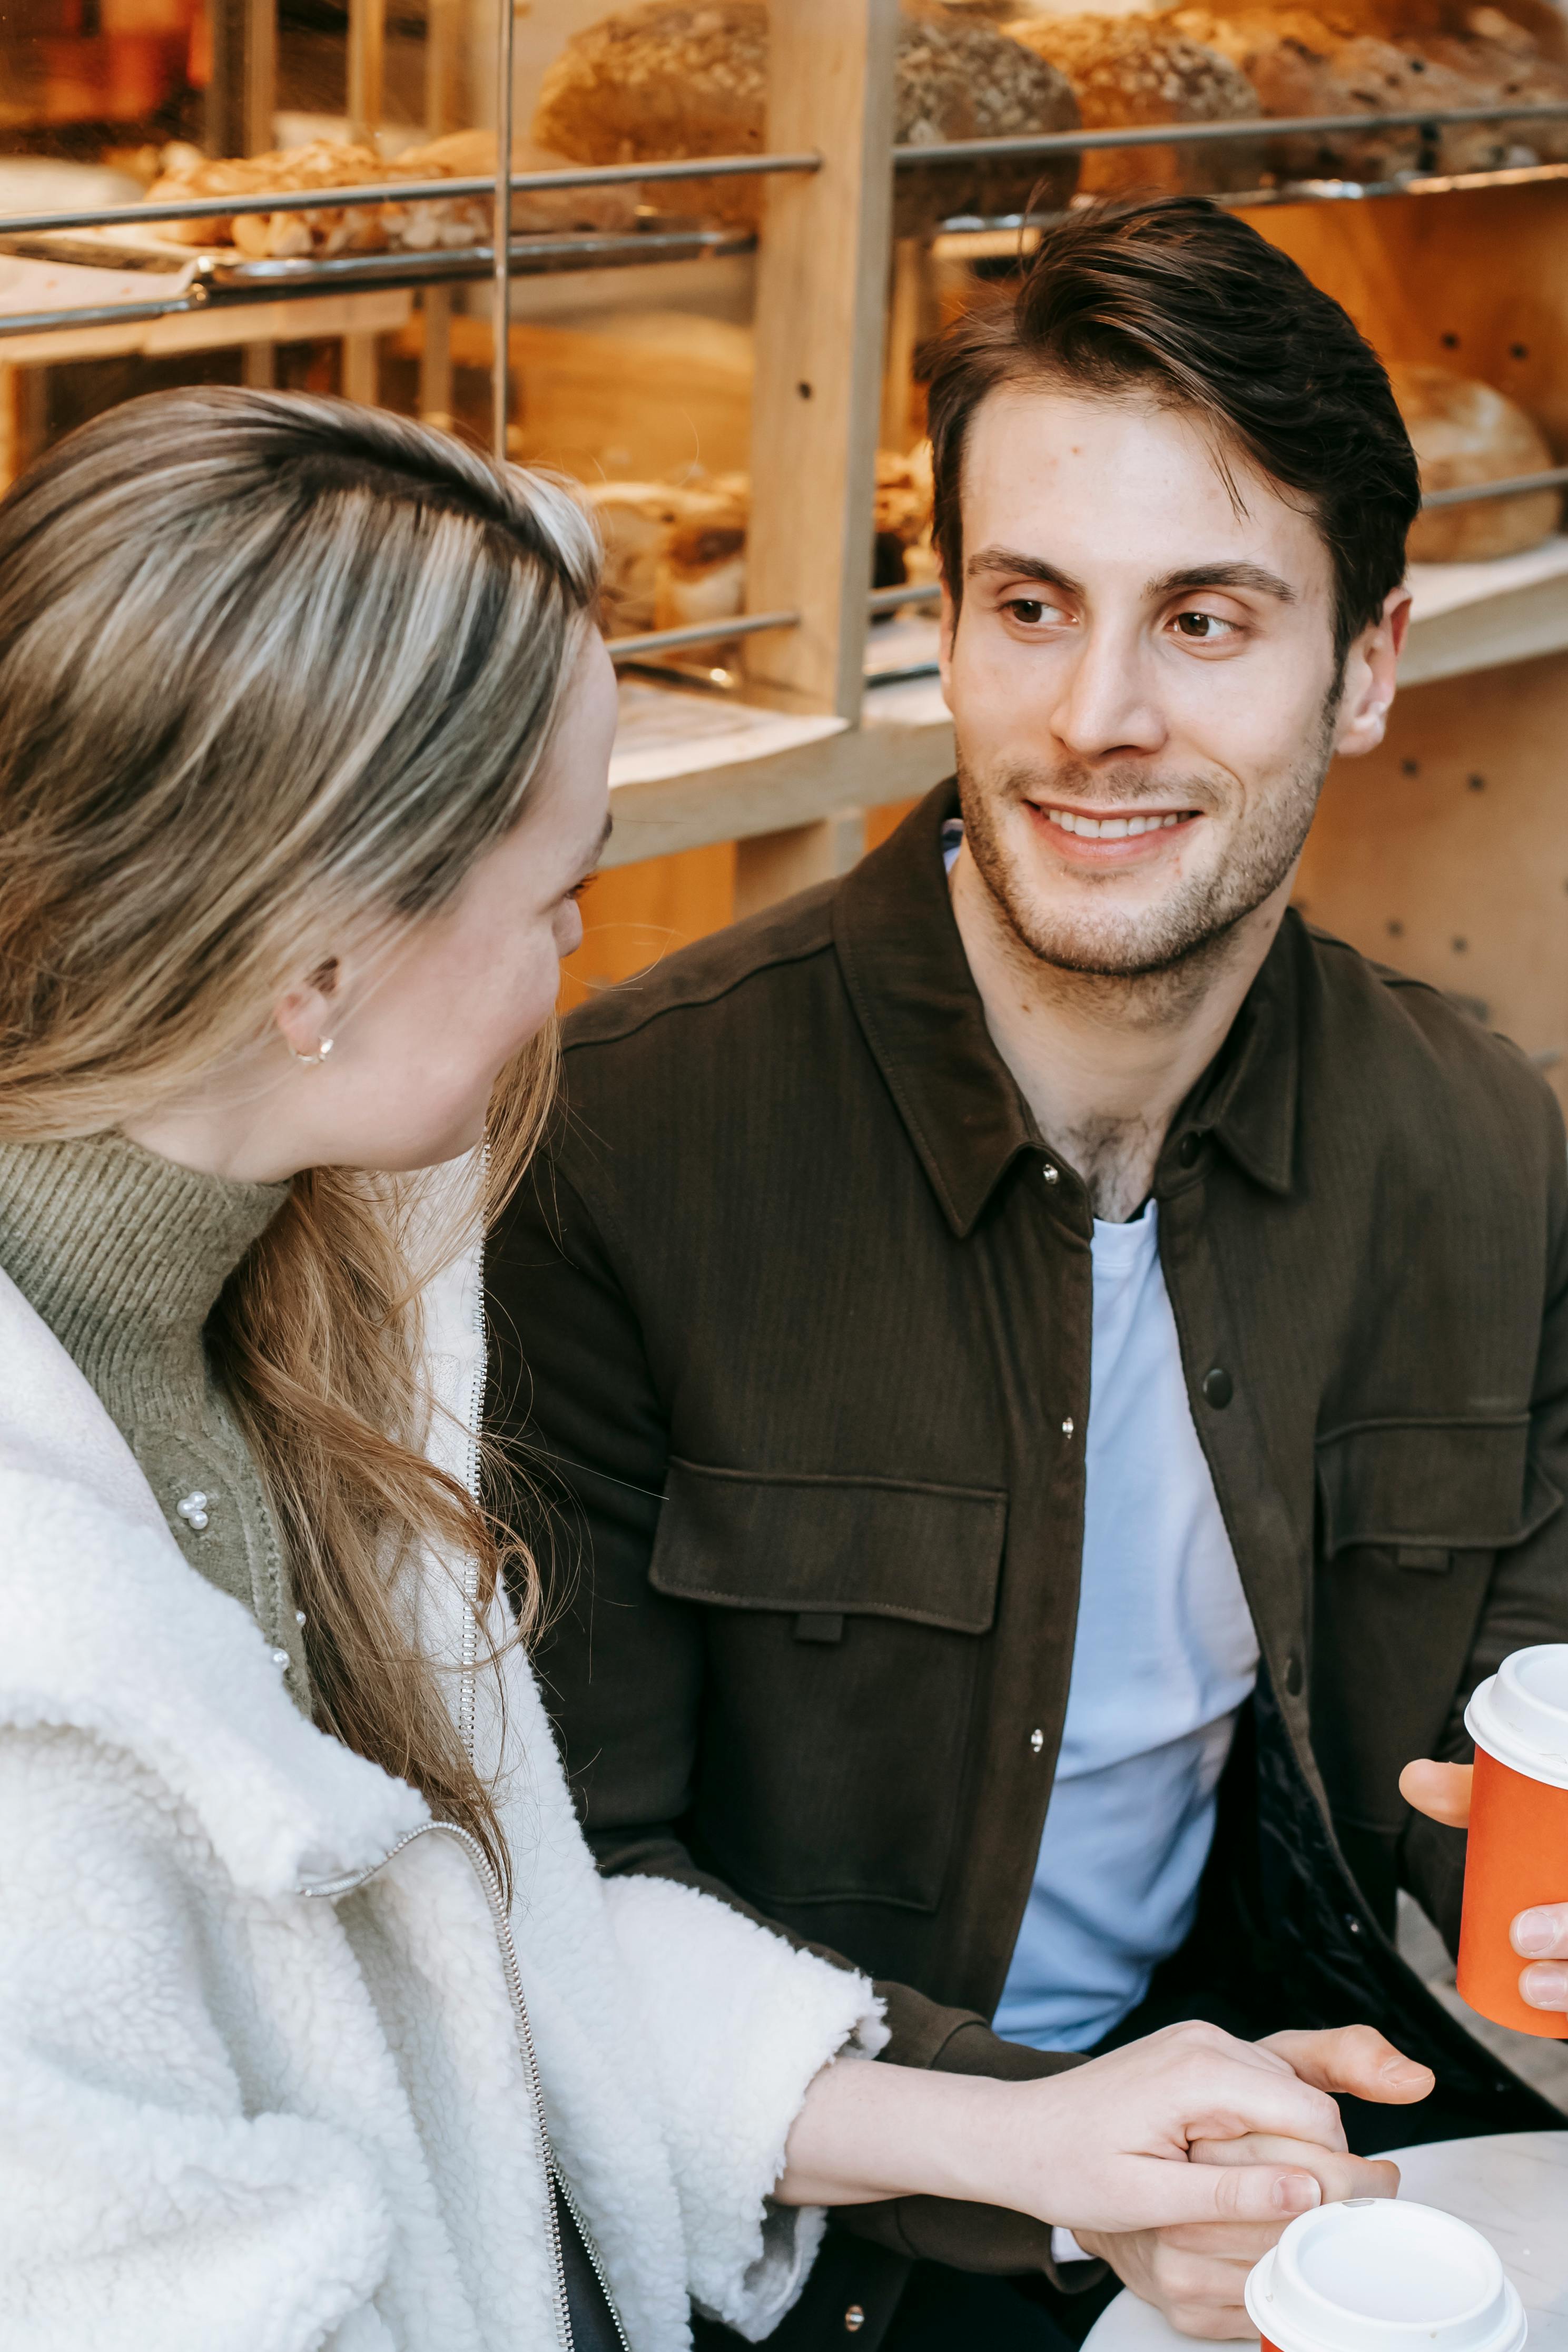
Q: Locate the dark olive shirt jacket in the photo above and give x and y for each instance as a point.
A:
(791, 1339)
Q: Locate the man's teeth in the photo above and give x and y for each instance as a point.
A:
(1110, 828)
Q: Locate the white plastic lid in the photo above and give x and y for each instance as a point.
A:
(1375, 2275)
(1520, 1715)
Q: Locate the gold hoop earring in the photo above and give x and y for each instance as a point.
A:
(313, 1059)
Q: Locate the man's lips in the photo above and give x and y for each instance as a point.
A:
(1109, 836)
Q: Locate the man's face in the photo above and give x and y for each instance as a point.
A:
(1142, 678)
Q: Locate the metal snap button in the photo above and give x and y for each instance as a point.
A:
(1052, 1176)
(1218, 1387)
(1036, 1741)
(855, 2319)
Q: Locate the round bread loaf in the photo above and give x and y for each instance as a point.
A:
(677, 78)
(1390, 59)
(1477, 71)
(1298, 66)
(1127, 70)
(1464, 431)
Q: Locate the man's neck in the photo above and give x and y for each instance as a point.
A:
(1104, 1063)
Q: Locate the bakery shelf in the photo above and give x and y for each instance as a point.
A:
(210, 282)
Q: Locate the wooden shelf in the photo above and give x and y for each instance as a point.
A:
(1468, 617)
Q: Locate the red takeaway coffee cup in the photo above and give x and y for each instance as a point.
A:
(1517, 1856)
(1375, 2274)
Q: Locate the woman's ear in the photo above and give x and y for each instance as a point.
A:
(306, 1016)
(1371, 669)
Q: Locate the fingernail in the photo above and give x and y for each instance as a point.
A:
(1296, 2192)
(1534, 1933)
(1404, 2074)
(1544, 1988)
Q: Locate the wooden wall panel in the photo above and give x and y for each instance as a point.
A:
(1446, 853)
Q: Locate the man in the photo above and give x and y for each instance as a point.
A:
(1056, 1374)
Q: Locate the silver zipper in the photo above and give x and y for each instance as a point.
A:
(332, 1888)
(568, 2198)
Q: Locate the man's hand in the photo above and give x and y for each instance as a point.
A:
(1195, 2272)
(1442, 1792)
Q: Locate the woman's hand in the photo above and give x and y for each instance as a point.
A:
(1102, 2146)
(1442, 1792)
(1195, 2271)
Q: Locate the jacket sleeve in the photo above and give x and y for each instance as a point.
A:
(582, 1428)
(738, 2023)
(142, 2204)
(1527, 1598)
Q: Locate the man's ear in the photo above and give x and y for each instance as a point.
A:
(1370, 677)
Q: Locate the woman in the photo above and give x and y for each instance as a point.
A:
(316, 2025)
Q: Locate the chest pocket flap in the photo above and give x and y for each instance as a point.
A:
(1435, 1486)
(927, 1554)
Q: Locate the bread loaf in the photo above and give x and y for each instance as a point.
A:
(676, 552)
(679, 78)
(376, 228)
(1464, 431)
(1127, 70)
(1297, 64)
(1329, 61)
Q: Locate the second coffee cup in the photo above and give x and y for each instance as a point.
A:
(1375, 2274)
(1516, 1854)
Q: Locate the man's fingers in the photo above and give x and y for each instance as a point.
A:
(1541, 1934)
(1356, 2059)
(1337, 2175)
(1243, 2242)
(1441, 1791)
(1544, 1988)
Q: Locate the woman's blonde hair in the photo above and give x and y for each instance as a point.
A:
(271, 666)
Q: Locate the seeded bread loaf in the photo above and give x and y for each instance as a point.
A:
(1464, 431)
(678, 78)
(1127, 70)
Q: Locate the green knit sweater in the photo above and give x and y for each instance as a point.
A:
(123, 1255)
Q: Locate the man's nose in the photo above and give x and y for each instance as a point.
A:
(1108, 707)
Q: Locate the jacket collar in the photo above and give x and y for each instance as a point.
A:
(106, 1629)
(915, 999)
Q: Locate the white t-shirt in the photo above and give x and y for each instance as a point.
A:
(1164, 1656)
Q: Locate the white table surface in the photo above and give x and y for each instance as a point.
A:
(1512, 2189)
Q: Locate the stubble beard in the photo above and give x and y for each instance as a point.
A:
(1170, 947)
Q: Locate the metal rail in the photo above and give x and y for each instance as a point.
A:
(1200, 134)
(722, 167)
(1515, 486)
(405, 192)
(698, 632)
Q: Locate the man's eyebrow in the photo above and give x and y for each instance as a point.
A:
(1223, 575)
(1006, 562)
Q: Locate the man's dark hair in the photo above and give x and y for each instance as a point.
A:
(1178, 299)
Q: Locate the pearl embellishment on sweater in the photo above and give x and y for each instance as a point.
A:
(193, 1509)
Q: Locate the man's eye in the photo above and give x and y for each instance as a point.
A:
(1204, 628)
(1027, 609)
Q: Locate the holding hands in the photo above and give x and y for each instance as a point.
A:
(1180, 2159)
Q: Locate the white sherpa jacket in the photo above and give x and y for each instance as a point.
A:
(249, 2104)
